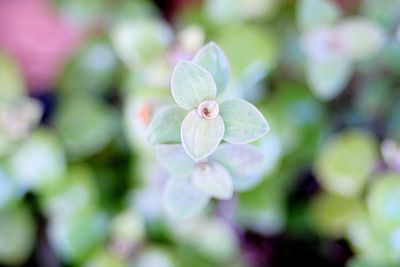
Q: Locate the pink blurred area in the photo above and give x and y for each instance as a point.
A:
(32, 32)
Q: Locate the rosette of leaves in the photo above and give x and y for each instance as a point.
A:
(201, 120)
(194, 183)
(332, 47)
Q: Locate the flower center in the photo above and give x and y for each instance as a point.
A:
(208, 109)
(202, 166)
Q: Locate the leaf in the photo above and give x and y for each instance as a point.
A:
(261, 50)
(182, 200)
(200, 136)
(332, 214)
(213, 179)
(244, 162)
(323, 44)
(191, 85)
(328, 78)
(85, 123)
(39, 161)
(175, 160)
(314, 13)
(212, 58)
(140, 41)
(165, 128)
(345, 161)
(240, 160)
(361, 37)
(11, 79)
(383, 200)
(9, 190)
(244, 123)
(17, 235)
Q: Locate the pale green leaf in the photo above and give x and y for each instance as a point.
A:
(140, 41)
(85, 123)
(332, 214)
(17, 235)
(165, 128)
(182, 200)
(240, 160)
(39, 161)
(361, 37)
(253, 58)
(384, 200)
(244, 123)
(11, 79)
(213, 179)
(345, 162)
(191, 85)
(314, 13)
(175, 160)
(244, 163)
(328, 78)
(200, 136)
(213, 59)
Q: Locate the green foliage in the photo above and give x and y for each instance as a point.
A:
(346, 161)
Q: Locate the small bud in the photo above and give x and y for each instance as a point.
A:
(208, 109)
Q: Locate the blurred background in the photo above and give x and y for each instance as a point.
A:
(80, 80)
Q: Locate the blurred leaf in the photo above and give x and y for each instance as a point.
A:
(385, 11)
(76, 238)
(345, 161)
(361, 37)
(104, 259)
(315, 13)
(154, 257)
(39, 161)
(333, 214)
(140, 41)
(17, 119)
(175, 160)
(242, 162)
(327, 79)
(213, 179)
(17, 235)
(182, 200)
(81, 12)
(384, 201)
(260, 50)
(8, 190)
(208, 242)
(91, 69)
(74, 194)
(11, 79)
(85, 123)
(128, 230)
